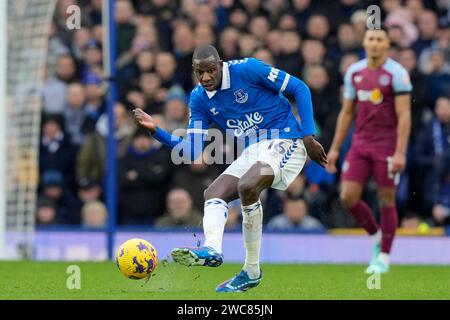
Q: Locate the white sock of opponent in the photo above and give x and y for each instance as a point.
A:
(252, 217)
(214, 219)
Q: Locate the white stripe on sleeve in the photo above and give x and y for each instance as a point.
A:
(285, 82)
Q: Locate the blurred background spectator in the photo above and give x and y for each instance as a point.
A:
(295, 216)
(180, 211)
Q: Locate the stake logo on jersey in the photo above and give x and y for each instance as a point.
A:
(248, 125)
(249, 102)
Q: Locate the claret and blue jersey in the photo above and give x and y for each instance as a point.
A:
(250, 104)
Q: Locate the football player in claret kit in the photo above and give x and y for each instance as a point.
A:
(244, 97)
(377, 96)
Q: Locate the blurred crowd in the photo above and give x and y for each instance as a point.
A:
(315, 40)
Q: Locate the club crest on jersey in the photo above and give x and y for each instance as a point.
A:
(241, 96)
(383, 80)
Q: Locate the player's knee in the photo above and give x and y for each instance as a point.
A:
(213, 192)
(348, 200)
(248, 190)
(386, 200)
(219, 191)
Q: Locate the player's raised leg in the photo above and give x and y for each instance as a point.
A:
(351, 192)
(217, 196)
(259, 177)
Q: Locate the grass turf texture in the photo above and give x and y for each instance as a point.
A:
(47, 280)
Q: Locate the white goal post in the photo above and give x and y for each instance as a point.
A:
(24, 31)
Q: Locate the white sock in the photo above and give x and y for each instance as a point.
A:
(214, 219)
(377, 237)
(384, 258)
(252, 230)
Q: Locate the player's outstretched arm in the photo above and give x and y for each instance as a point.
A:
(191, 147)
(344, 121)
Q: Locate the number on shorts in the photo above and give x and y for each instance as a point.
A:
(278, 147)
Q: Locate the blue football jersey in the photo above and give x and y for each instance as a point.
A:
(250, 102)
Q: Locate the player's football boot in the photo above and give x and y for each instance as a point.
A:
(240, 283)
(377, 267)
(197, 256)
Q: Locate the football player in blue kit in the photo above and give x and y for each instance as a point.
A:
(244, 97)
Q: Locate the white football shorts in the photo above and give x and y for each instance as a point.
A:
(285, 156)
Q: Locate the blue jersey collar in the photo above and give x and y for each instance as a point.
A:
(226, 81)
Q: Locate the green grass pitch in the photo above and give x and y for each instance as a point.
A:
(47, 280)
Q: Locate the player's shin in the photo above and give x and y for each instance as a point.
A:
(252, 217)
(364, 217)
(389, 221)
(214, 219)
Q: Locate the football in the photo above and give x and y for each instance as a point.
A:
(136, 259)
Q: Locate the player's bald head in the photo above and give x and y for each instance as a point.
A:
(205, 53)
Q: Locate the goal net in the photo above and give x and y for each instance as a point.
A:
(24, 40)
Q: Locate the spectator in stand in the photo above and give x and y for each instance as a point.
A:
(180, 211)
(248, 44)
(91, 157)
(347, 43)
(165, 67)
(408, 60)
(428, 27)
(150, 84)
(135, 98)
(67, 206)
(94, 214)
(54, 92)
(204, 34)
(287, 22)
(89, 190)
(258, 27)
(176, 112)
(264, 55)
(228, 44)
(144, 173)
(318, 28)
(432, 157)
(45, 211)
(92, 59)
(294, 217)
(55, 151)
(94, 104)
(289, 58)
(437, 75)
(74, 113)
(126, 28)
(183, 46)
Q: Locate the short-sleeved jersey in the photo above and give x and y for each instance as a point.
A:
(250, 100)
(374, 92)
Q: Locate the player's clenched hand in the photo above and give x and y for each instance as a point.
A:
(315, 150)
(142, 119)
(398, 163)
(332, 157)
